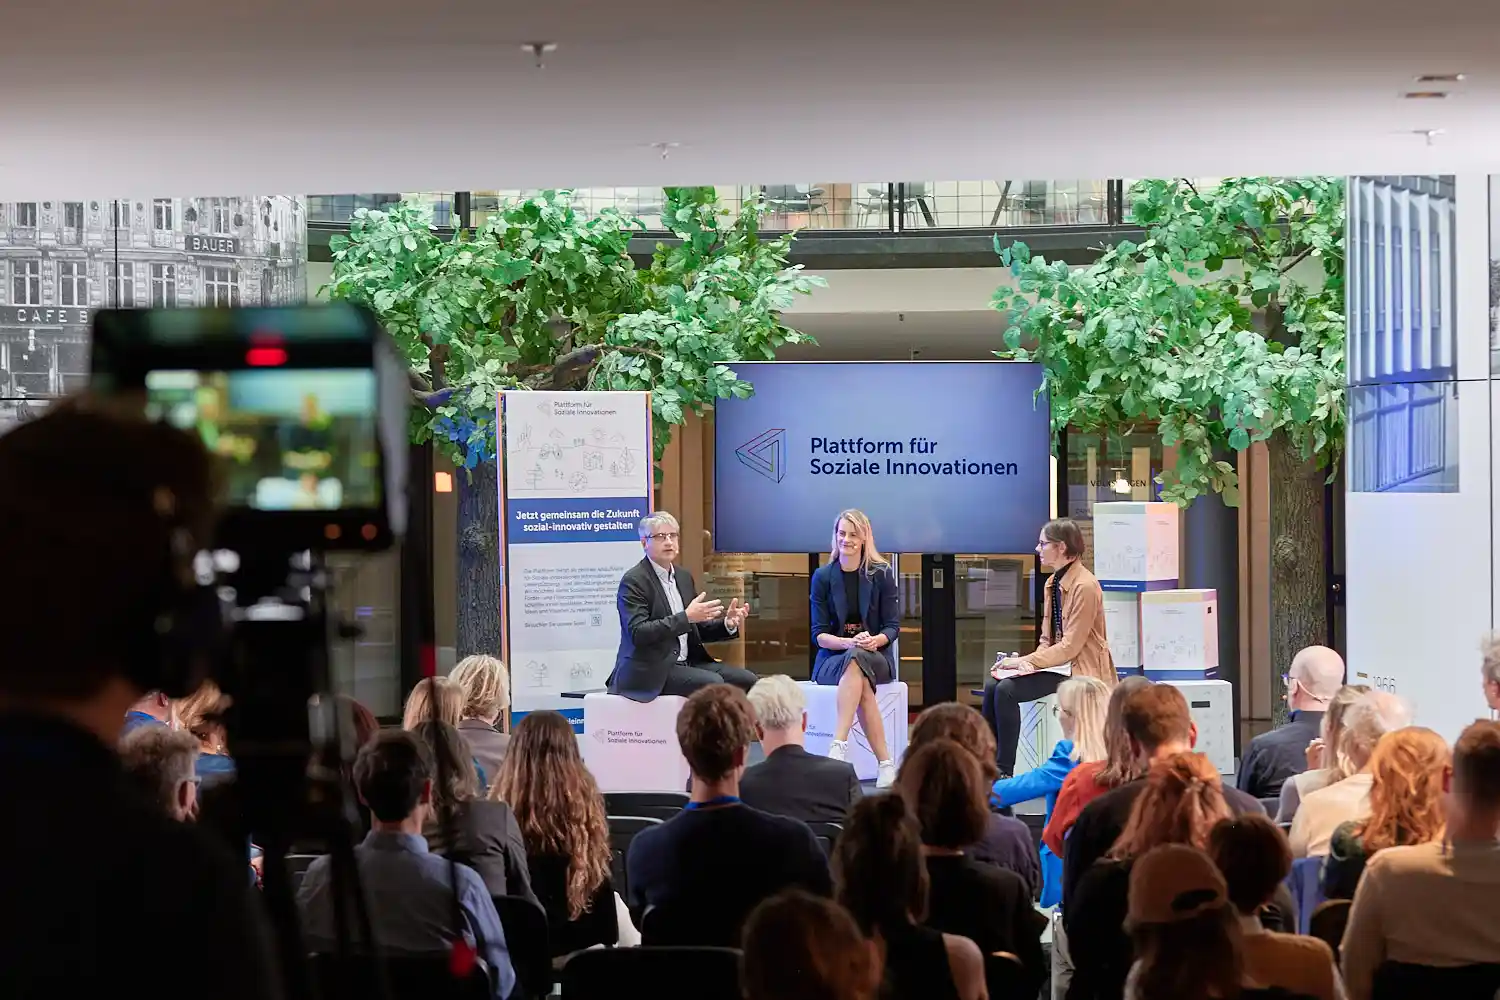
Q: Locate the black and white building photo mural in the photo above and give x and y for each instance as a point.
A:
(61, 260)
(1402, 335)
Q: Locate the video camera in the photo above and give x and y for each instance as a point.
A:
(307, 411)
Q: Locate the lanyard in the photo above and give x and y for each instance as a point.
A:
(722, 800)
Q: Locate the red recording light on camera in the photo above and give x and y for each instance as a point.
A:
(265, 357)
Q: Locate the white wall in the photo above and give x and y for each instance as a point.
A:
(1421, 572)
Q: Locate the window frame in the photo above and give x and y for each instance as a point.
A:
(162, 283)
(163, 209)
(73, 276)
(217, 277)
(118, 276)
(32, 278)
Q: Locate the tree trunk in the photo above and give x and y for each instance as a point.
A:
(479, 561)
(1299, 613)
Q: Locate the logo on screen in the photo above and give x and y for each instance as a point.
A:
(765, 454)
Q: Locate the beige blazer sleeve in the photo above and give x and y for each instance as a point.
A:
(1364, 936)
(1082, 607)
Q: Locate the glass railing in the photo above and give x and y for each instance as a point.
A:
(831, 206)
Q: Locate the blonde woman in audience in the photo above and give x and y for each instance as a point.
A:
(1322, 812)
(1406, 806)
(1080, 709)
(1254, 857)
(202, 714)
(561, 812)
(486, 688)
(1323, 767)
(1090, 779)
(439, 699)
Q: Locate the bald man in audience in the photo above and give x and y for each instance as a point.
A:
(1316, 675)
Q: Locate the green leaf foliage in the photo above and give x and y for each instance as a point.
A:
(1224, 325)
(541, 298)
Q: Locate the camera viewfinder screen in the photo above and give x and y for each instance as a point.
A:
(289, 439)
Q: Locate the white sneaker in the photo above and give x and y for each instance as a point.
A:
(885, 774)
(838, 749)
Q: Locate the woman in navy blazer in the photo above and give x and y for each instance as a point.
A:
(856, 617)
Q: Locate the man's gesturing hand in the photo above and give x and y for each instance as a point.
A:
(704, 610)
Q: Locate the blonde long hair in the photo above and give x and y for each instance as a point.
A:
(486, 687)
(1086, 699)
(870, 557)
(434, 699)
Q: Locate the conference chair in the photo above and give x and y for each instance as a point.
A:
(622, 830)
(660, 805)
(1305, 882)
(297, 866)
(1405, 980)
(1328, 921)
(525, 926)
(656, 972)
(422, 977)
(827, 834)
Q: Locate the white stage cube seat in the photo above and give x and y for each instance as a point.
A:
(631, 746)
(823, 715)
(1212, 706)
(1040, 731)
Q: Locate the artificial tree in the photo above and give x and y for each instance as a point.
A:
(1210, 328)
(539, 297)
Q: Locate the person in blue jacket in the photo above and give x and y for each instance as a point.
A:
(1081, 704)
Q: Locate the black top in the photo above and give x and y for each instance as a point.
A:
(1103, 820)
(597, 924)
(489, 841)
(794, 783)
(1345, 862)
(916, 965)
(1007, 842)
(990, 906)
(854, 618)
(1275, 756)
(98, 881)
(706, 869)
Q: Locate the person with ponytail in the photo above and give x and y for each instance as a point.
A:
(880, 878)
(1181, 801)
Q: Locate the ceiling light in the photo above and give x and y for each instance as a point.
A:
(1428, 133)
(665, 148)
(537, 50)
(1441, 78)
(1425, 95)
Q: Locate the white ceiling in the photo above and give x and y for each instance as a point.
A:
(183, 96)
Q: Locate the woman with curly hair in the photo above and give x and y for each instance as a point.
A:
(1406, 806)
(562, 819)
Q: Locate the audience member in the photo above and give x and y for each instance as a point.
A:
(98, 518)
(1324, 763)
(485, 684)
(410, 892)
(1254, 857)
(882, 882)
(1321, 812)
(1315, 676)
(363, 726)
(1178, 802)
(1490, 670)
(1007, 841)
(1091, 779)
(707, 867)
(798, 946)
(152, 709)
(561, 815)
(1182, 929)
(1159, 727)
(202, 714)
(946, 788)
(439, 699)
(484, 834)
(1436, 903)
(160, 760)
(1081, 705)
(791, 781)
(1408, 770)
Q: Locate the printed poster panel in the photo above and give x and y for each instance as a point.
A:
(575, 483)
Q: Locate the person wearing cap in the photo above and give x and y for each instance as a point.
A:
(1186, 935)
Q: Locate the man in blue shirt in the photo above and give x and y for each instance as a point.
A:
(410, 890)
(154, 709)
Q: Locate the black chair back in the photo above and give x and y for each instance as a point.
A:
(1006, 978)
(660, 973)
(297, 866)
(827, 834)
(525, 925)
(622, 830)
(1405, 980)
(660, 805)
(426, 977)
(1328, 921)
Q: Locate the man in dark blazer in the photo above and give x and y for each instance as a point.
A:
(663, 625)
(790, 781)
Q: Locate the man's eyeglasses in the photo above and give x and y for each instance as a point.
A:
(664, 536)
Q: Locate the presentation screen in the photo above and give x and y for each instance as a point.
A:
(943, 456)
